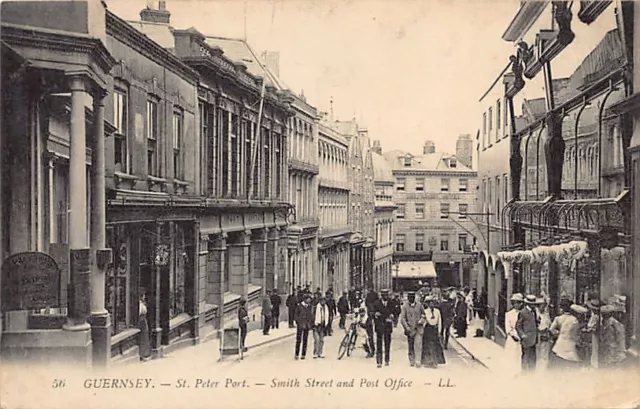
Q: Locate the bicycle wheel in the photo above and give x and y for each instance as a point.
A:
(344, 344)
(352, 343)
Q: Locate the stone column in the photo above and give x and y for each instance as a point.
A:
(203, 272)
(216, 261)
(79, 294)
(239, 262)
(272, 258)
(100, 319)
(282, 276)
(193, 303)
(258, 258)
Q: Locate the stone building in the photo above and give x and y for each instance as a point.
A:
(433, 194)
(333, 208)
(384, 219)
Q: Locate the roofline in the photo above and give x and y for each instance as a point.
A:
(526, 16)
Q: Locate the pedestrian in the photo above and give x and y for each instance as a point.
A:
(331, 304)
(613, 339)
(432, 354)
(383, 313)
(482, 304)
(460, 319)
(592, 331)
(412, 319)
(543, 349)
(353, 299)
(447, 312)
(527, 327)
(291, 303)
(267, 310)
(300, 293)
(276, 301)
(566, 329)
(304, 322)
(321, 318)
(397, 308)
(368, 303)
(343, 308)
(243, 319)
(143, 325)
(468, 299)
(512, 349)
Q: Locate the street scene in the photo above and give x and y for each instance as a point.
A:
(394, 204)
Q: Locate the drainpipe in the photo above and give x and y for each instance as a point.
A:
(542, 127)
(575, 173)
(600, 112)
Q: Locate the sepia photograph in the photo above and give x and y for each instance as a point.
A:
(319, 204)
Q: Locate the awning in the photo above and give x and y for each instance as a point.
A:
(416, 269)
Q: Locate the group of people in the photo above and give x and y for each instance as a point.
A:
(581, 336)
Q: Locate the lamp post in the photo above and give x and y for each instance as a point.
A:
(396, 267)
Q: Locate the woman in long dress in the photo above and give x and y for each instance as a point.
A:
(512, 349)
(145, 347)
(567, 328)
(432, 354)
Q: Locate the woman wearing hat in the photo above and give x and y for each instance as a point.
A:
(432, 354)
(566, 328)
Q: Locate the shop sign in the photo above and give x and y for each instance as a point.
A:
(162, 255)
(30, 281)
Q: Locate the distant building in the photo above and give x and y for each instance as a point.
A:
(384, 218)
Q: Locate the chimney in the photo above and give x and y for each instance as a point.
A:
(160, 15)
(272, 61)
(464, 150)
(376, 147)
(429, 147)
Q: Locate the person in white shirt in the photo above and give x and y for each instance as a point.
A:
(512, 348)
(432, 354)
(319, 327)
(543, 347)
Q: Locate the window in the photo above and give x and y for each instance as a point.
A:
(463, 185)
(209, 148)
(419, 242)
(444, 242)
(462, 242)
(498, 197)
(399, 242)
(484, 129)
(444, 210)
(178, 165)
(408, 161)
(420, 185)
(152, 137)
(419, 211)
(506, 187)
(463, 208)
(278, 164)
(490, 123)
(498, 112)
(400, 211)
(121, 122)
(117, 279)
(266, 160)
(444, 185)
(223, 131)
(453, 163)
(400, 184)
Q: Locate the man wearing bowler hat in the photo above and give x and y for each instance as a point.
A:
(383, 322)
(527, 328)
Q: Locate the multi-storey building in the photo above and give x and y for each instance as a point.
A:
(433, 194)
(361, 201)
(383, 218)
(333, 203)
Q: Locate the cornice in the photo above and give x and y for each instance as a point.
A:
(409, 172)
(124, 32)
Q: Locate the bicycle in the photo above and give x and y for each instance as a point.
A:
(348, 343)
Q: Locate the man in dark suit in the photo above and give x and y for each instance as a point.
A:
(383, 322)
(527, 328)
(304, 322)
(267, 311)
(369, 300)
(291, 303)
(447, 312)
(276, 301)
(331, 303)
(343, 308)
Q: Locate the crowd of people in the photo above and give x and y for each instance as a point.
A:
(581, 336)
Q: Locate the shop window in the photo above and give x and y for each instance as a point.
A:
(117, 290)
(400, 242)
(178, 129)
(177, 276)
(444, 242)
(121, 123)
(152, 138)
(444, 185)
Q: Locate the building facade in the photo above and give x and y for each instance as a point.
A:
(384, 218)
(433, 194)
(333, 208)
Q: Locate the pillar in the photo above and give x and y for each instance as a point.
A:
(79, 295)
(100, 319)
(258, 258)
(271, 258)
(216, 261)
(155, 303)
(239, 248)
(203, 271)
(282, 276)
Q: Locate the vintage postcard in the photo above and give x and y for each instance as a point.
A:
(319, 204)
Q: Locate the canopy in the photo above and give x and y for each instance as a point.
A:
(416, 269)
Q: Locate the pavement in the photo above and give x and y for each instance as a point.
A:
(485, 351)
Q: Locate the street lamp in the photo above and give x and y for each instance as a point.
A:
(396, 267)
(294, 231)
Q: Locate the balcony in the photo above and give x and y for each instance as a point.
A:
(303, 166)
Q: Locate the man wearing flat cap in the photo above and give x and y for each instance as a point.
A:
(383, 323)
(527, 327)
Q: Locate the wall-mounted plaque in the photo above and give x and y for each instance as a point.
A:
(30, 281)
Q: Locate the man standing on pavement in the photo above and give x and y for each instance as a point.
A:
(331, 304)
(321, 318)
(292, 302)
(412, 319)
(267, 310)
(344, 307)
(527, 327)
(383, 321)
(369, 302)
(353, 299)
(276, 301)
(304, 322)
(460, 319)
(243, 319)
(447, 313)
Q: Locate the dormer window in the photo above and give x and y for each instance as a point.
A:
(453, 163)
(408, 161)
